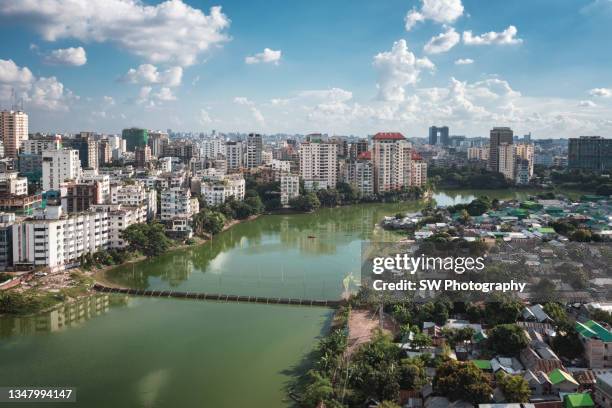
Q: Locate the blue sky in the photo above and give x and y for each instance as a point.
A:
(341, 67)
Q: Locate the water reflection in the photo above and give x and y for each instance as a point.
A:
(67, 315)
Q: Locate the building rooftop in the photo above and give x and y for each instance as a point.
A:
(389, 136)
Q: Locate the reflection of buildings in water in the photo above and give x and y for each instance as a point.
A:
(65, 316)
(178, 269)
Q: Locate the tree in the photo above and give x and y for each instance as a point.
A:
(348, 193)
(465, 216)
(556, 312)
(307, 202)
(388, 404)
(148, 239)
(567, 343)
(514, 387)
(462, 381)
(582, 235)
(328, 197)
(319, 389)
(502, 310)
(479, 206)
(412, 373)
(507, 339)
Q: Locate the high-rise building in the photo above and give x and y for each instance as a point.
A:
(526, 151)
(157, 141)
(360, 174)
(59, 166)
(143, 156)
(135, 137)
(13, 130)
(87, 147)
(391, 156)
(590, 153)
(289, 187)
(418, 170)
(506, 154)
(211, 148)
(498, 135)
(318, 164)
(37, 145)
(439, 135)
(233, 155)
(254, 148)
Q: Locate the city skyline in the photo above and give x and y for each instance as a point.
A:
(345, 68)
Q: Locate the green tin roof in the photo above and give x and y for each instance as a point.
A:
(558, 376)
(578, 400)
(483, 364)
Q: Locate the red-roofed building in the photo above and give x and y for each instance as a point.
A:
(365, 156)
(388, 136)
(391, 156)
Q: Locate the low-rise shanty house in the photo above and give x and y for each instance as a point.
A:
(443, 402)
(586, 379)
(509, 365)
(536, 313)
(538, 381)
(562, 381)
(603, 390)
(578, 400)
(533, 360)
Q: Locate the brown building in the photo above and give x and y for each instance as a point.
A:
(79, 197)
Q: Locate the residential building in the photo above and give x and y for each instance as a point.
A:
(254, 148)
(216, 191)
(289, 187)
(506, 160)
(13, 185)
(498, 136)
(360, 173)
(603, 390)
(135, 137)
(526, 151)
(38, 145)
(211, 148)
(87, 147)
(175, 202)
(318, 164)
(13, 130)
(119, 218)
(59, 166)
(78, 197)
(478, 153)
(6, 240)
(157, 141)
(135, 195)
(589, 153)
(101, 183)
(391, 156)
(105, 152)
(143, 156)
(56, 240)
(418, 171)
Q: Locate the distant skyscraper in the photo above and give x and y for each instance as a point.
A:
(13, 130)
(254, 147)
(590, 153)
(498, 135)
(233, 155)
(134, 138)
(439, 135)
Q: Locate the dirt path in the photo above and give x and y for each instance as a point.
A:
(362, 324)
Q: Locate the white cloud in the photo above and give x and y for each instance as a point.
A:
(242, 100)
(333, 94)
(148, 97)
(74, 56)
(204, 117)
(587, 104)
(601, 92)
(506, 37)
(255, 112)
(109, 100)
(440, 11)
(268, 56)
(36, 92)
(147, 74)
(397, 69)
(442, 42)
(464, 61)
(168, 32)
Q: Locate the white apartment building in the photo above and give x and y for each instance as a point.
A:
(360, 174)
(281, 165)
(59, 166)
(506, 157)
(38, 146)
(13, 130)
(175, 202)
(57, 241)
(289, 187)
(135, 195)
(318, 164)
(233, 155)
(211, 148)
(391, 156)
(217, 191)
(521, 171)
(266, 157)
(120, 217)
(12, 184)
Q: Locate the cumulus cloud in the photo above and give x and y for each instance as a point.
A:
(506, 37)
(168, 32)
(268, 56)
(108, 100)
(464, 61)
(37, 92)
(601, 92)
(204, 118)
(147, 74)
(587, 104)
(73, 56)
(442, 42)
(397, 69)
(255, 112)
(151, 98)
(440, 11)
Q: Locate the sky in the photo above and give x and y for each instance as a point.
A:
(339, 67)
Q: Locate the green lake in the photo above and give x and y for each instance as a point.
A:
(153, 352)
